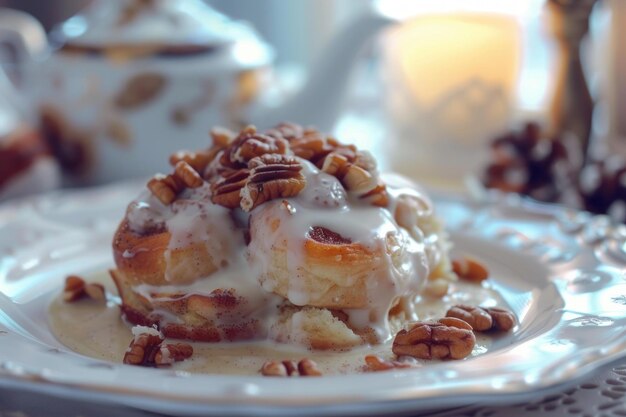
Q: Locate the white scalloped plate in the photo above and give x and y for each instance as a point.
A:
(562, 272)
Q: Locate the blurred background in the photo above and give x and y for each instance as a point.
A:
(526, 97)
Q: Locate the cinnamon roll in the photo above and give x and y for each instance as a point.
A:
(308, 246)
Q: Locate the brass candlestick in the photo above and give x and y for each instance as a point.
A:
(572, 106)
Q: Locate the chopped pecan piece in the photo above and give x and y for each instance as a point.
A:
(165, 187)
(188, 175)
(355, 179)
(313, 148)
(448, 338)
(76, 288)
(197, 160)
(222, 137)
(144, 347)
(147, 349)
(250, 144)
(477, 317)
(271, 176)
(306, 367)
(376, 364)
(226, 191)
(377, 196)
(470, 269)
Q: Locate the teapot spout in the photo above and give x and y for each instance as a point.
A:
(318, 102)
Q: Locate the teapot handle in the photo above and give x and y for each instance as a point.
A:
(22, 37)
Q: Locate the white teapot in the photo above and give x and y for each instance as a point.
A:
(130, 81)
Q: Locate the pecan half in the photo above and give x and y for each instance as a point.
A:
(226, 191)
(470, 269)
(76, 288)
(147, 349)
(271, 176)
(250, 144)
(306, 367)
(484, 318)
(448, 338)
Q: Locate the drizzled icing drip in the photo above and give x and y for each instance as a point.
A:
(191, 219)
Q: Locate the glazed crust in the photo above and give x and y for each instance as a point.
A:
(142, 258)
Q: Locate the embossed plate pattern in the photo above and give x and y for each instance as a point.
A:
(562, 272)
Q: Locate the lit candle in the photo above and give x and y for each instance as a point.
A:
(452, 81)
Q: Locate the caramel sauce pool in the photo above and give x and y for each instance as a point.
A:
(96, 329)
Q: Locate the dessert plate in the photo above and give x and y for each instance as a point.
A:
(562, 272)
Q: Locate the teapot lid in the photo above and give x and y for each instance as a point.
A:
(179, 25)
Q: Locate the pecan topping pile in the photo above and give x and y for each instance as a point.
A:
(483, 319)
(76, 289)
(249, 168)
(306, 367)
(447, 338)
(147, 349)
